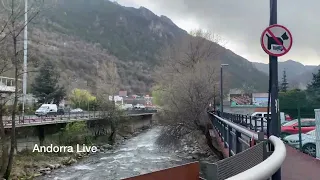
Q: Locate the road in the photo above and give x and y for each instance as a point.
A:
(31, 120)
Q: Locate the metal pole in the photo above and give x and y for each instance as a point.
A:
(299, 125)
(25, 56)
(317, 114)
(273, 60)
(221, 92)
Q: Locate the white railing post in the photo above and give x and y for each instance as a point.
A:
(317, 115)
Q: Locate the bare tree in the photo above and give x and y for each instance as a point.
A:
(11, 40)
(187, 81)
(5, 66)
(108, 85)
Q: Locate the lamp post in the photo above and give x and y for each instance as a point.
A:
(221, 88)
(25, 56)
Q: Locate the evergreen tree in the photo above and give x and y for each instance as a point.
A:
(46, 87)
(313, 88)
(284, 84)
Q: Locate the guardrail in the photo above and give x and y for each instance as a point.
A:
(256, 123)
(32, 120)
(249, 158)
(234, 137)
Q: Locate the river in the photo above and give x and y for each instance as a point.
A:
(137, 155)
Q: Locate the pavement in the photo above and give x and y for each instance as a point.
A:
(300, 166)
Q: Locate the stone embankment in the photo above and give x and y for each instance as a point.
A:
(194, 146)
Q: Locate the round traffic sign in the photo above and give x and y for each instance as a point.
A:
(276, 40)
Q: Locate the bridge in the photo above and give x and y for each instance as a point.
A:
(247, 155)
(33, 120)
(42, 127)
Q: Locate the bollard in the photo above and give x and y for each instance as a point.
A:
(317, 115)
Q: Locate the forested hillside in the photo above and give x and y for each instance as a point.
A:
(83, 37)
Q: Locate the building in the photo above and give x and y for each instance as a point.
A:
(123, 93)
(246, 103)
(116, 99)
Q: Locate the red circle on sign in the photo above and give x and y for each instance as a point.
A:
(266, 50)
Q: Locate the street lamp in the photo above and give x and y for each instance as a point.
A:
(221, 88)
(25, 56)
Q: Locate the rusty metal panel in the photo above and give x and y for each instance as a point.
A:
(241, 162)
(184, 172)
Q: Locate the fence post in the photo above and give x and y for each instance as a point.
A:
(317, 115)
(238, 143)
(230, 144)
(247, 121)
(221, 131)
(255, 124)
(225, 134)
(262, 124)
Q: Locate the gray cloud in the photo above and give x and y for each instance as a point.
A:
(242, 22)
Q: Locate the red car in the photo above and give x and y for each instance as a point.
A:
(292, 127)
(287, 117)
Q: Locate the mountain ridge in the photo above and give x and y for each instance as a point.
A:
(298, 75)
(82, 37)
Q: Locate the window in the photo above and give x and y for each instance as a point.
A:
(266, 115)
(257, 116)
(312, 133)
(308, 123)
(312, 123)
(291, 123)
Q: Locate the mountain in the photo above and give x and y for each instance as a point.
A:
(83, 36)
(298, 75)
(302, 80)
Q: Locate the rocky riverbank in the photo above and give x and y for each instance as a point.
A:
(194, 146)
(28, 164)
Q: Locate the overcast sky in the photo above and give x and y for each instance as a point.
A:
(241, 23)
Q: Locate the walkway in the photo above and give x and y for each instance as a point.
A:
(298, 166)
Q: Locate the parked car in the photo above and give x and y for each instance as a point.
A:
(292, 127)
(256, 117)
(127, 107)
(139, 106)
(308, 141)
(60, 111)
(77, 110)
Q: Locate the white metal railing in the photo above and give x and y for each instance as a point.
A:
(268, 167)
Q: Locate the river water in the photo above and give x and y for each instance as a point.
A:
(138, 155)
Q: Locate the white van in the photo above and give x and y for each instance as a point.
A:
(258, 116)
(127, 107)
(47, 109)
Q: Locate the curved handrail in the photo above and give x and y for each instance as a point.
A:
(268, 167)
(240, 129)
